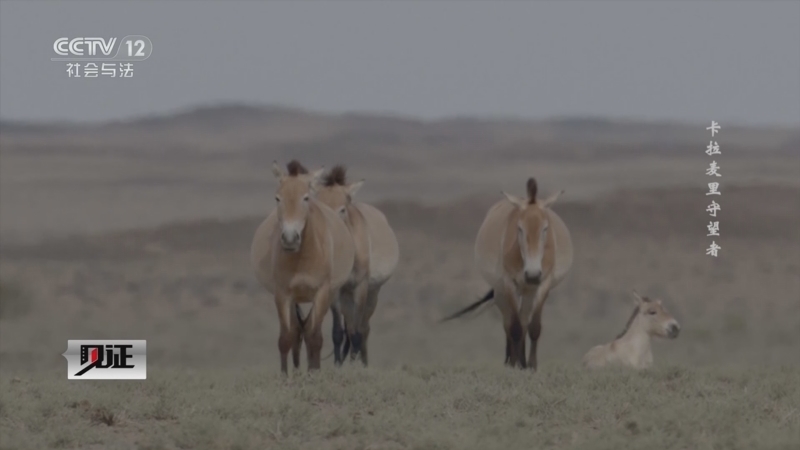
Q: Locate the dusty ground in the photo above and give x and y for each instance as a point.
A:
(131, 272)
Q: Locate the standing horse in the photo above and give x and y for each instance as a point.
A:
(376, 257)
(631, 348)
(523, 250)
(302, 252)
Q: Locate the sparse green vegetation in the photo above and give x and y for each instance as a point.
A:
(415, 407)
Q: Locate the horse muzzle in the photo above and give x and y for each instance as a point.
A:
(290, 243)
(673, 330)
(533, 278)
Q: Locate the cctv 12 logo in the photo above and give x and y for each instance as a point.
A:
(129, 48)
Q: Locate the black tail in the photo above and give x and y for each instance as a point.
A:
(489, 295)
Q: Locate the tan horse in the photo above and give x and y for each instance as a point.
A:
(632, 347)
(376, 257)
(302, 252)
(523, 250)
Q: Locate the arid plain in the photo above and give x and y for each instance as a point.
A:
(141, 230)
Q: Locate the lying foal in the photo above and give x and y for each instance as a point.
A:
(632, 347)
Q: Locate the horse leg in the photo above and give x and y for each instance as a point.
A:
(366, 315)
(338, 334)
(297, 336)
(527, 304)
(535, 329)
(313, 329)
(363, 353)
(504, 299)
(286, 339)
(347, 307)
(360, 297)
(515, 339)
(346, 347)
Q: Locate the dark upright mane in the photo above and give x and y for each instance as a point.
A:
(630, 320)
(337, 176)
(532, 188)
(295, 168)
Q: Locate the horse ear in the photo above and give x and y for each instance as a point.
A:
(277, 170)
(316, 176)
(354, 187)
(515, 200)
(552, 199)
(637, 299)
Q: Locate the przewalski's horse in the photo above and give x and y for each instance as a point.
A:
(376, 257)
(302, 252)
(631, 348)
(523, 250)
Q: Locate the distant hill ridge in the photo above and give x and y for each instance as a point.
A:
(227, 111)
(283, 129)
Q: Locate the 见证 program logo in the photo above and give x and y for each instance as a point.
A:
(106, 360)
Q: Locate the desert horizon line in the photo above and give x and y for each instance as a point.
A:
(283, 108)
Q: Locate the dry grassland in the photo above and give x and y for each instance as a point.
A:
(102, 242)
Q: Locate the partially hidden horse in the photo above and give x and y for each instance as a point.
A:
(302, 252)
(376, 256)
(523, 250)
(631, 348)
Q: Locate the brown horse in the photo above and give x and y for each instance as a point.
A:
(523, 250)
(376, 256)
(302, 252)
(632, 347)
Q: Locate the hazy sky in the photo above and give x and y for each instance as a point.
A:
(683, 60)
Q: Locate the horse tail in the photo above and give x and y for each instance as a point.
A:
(489, 295)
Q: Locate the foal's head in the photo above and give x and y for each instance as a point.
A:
(335, 192)
(292, 197)
(532, 228)
(654, 318)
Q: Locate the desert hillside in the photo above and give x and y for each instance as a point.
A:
(213, 162)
